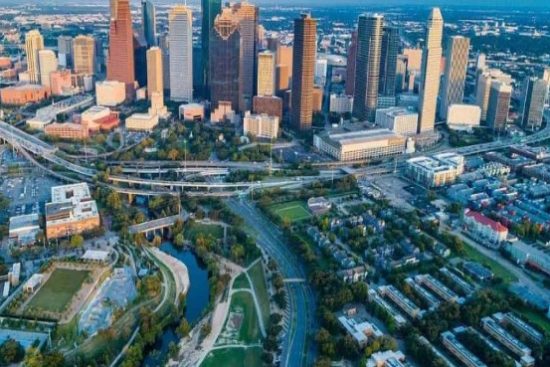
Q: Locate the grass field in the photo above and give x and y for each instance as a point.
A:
(198, 228)
(294, 211)
(56, 294)
(241, 282)
(496, 268)
(250, 329)
(535, 318)
(234, 357)
(256, 273)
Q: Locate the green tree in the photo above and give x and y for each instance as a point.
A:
(11, 352)
(184, 328)
(77, 241)
(179, 240)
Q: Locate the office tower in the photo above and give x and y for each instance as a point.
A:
(481, 61)
(197, 70)
(401, 73)
(321, 71)
(367, 66)
(303, 70)
(210, 10)
(247, 16)
(431, 72)
(284, 67)
(546, 78)
(65, 51)
(140, 59)
(350, 69)
(225, 50)
(180, 24)
(120, 66)
(414, 59)
(84, 55)
(388, 61)
(33, 44)
(454, 79)
(532, 103)
(164, 45)
(273, 44)
(483, 89)
(149, 22)
(48, 64)
(499, 105)
(154, 71)
(266, 73)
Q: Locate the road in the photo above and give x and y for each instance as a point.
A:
(296, 350)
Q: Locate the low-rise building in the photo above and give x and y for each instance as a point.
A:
(62, 83)
(21, 94)
(508, 340)
(142, 122)
(353, 321)
(341, 103)
(192, 112)
(361, 145)
(439, 170)
(261, 126)
(488, 229)
(270, 105)
(33, 283)
(15, 274)
(110, 93)
(48, 114)
(319, 205)
(458, 350)
(387, 358)
(509, 319)
(23, 229)
(67, 130)
(529, 255)
(463, 116)
(398, 119)
(71, 211)
(224, 113)
(438, 288)
(99, 118)
(404, 303)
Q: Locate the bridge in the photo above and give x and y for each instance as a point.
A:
(157, 224)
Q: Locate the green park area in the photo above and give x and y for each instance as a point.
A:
(499, 270)
(293, 211)
(196, 229)
(257, 276)
(56, 294)
(234, 357)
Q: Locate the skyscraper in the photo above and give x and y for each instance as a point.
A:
(454, 79)
(484, 81)
(180, 24)
(210, 10)
(120, 66)
(367, 65)
(140, 59)
(266, 73)
(303, 71)
(532, 103)
(65, 51)
(388, 61)
(164, 45)
(431, 71)
(149, 22)
(350, 69)
(84, 55)
(283, 68)
(48, 64)
(154, 71)
(247, 16)
(225, 47)
(499, 105)
(33, 43)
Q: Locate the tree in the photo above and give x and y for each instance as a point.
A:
(184, 328)
(157, 240)
(172, 154)
(179, 240)
(11, 352)
(77, 241)
(237, 252)
(33, 358)
(114, 201)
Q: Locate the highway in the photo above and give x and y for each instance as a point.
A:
(297, 351)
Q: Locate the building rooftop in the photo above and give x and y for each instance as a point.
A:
(480, 218)
(361, 136)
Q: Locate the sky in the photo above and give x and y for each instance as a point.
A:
(477, 3)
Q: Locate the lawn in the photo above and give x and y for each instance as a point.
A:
(256, 273)
(496, 268)
(249, 332)
(535, 318)
(241, 282)
(205, 229)
(58, 291)
(234, 357)
(294, 211)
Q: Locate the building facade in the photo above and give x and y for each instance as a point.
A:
(266, 73)
(388, 61)
(210, 10)
(84, 55)
(34, 42)
(155, 82)
(149, 22)
(48, 64)
(532, 103)
(499, 105)
(454, 79)
(120, 66)
(261, 126)
(180, 21)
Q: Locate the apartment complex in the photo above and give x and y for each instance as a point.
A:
(439, 170)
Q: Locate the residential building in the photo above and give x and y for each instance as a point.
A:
(71, 211)
(439, 170)
(508, 340)
(34, 42)
(398, 119)
(431, 72)
(458, 350)
(387, 358)
(110, 93)
(485, 228)
(120, 65)
(261, 126)
(367, 66)
(359, 329)
(84, 55)
(303, 70)
(454, 79)
(48, 64)
(180, 20)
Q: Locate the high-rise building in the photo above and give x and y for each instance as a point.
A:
(48, 64)
(388, 61)
(454, 79)
(303, 71)
(120, 66)
(499, 105)
(149, 22)
(367, 65)
(225, 51)
(284, 67)
(180, 24)
(266, 73)
(532, 103)
(210, 10)
(481, 61)
(247, 16)
(34, 42)
(431, 72)
(65, 51)
(84, 55)
(164, 45)
(154, 71)
(484, 81)
(140, 59)
(350, 69)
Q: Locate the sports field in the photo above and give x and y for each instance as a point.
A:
(56, 294)
(294, 211)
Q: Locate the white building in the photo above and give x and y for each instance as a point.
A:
(439, 170)
(48, 64)
(192, 112)
(463, 116)
(180, 24)
(261, 126)
(33, 283)
(359, 331)
(110, 93)
(486, 228)
(321, 70)
(387, 358)
(142, 122)
(24, 228)
(341, 103)
(15, 274)
(398, 119)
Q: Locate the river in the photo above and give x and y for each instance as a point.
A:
(197, 301)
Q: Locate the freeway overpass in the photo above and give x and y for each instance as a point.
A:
(157, 224)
